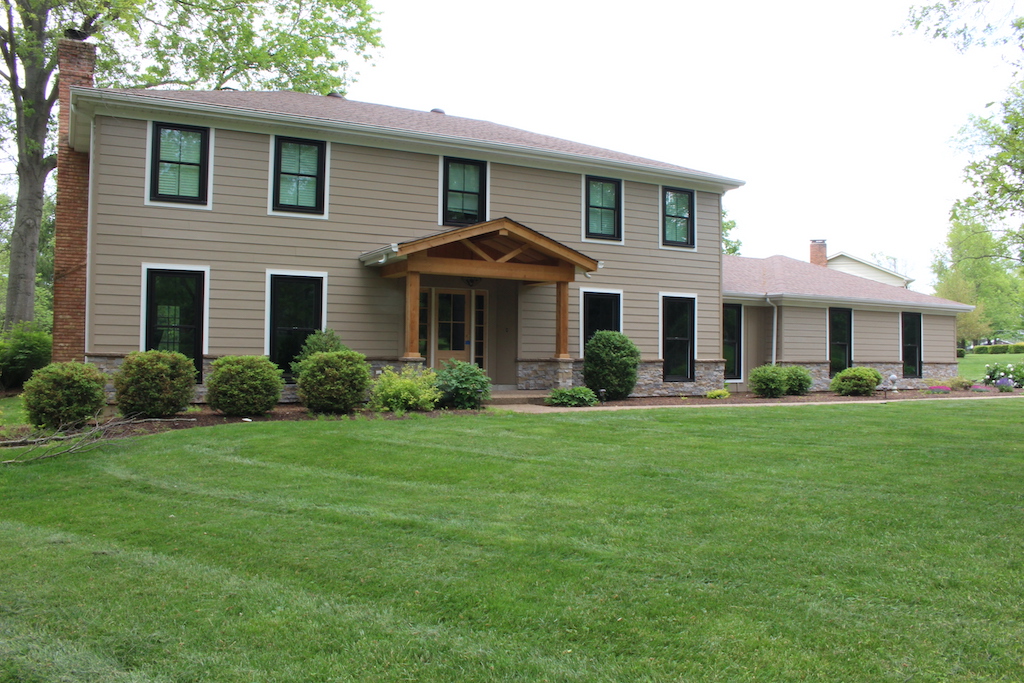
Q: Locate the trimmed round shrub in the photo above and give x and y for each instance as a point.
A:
(334, 382)
(244, 385)
(859, 381)
(154, 384)
(23, 349)
(321, 341)
(997, 349)
(962, 353)
(980, 349)
(463, 386)
(768, 381)
(64, 395)
(798, 380)
(414, 388)
(610, 362)
(574, 397)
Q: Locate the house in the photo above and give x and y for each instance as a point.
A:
(854, 265)
(234, 222)
(781, 310)
(228, 222)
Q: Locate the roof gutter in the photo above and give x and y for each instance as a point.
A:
(775, 327)
(852, 302)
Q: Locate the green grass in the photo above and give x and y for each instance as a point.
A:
(973, 365)
(12, 412)
(823, 543)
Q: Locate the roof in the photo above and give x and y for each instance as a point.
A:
(843, 255)
(362, 118)
(787, 280)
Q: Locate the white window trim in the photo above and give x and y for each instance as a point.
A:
(149, 175)
(146, 267)
(693, 221)
(441, 189)
(743, 342)
(327, 183)
(266, 300)
(661, 321)
(595, 290)
(583, 211)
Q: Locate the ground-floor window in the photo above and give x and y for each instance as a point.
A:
(732, 322)
(174, 312)
(677, 337)
(840, 339)
(601, 311)
(911, 340)
(296, 309)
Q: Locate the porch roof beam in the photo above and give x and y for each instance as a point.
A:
(432, 265)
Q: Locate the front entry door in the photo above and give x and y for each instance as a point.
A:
(452, 326)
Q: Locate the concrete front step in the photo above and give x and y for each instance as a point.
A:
(507, 397)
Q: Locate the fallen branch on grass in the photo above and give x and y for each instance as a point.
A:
(64, 441)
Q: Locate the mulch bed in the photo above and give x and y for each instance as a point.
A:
(814, 397)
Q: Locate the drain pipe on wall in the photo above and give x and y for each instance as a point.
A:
(775, 327)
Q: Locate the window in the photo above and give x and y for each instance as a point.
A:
(299, 175)
(911, 324)
(840, 339)
(732, 321)
(677, 217)
(604, 215)
(601, 311)
(180, 164)
(296, 311)
(677, 331)
(174, 312)
(464, 191)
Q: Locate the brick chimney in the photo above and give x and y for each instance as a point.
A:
(819, 254)
(75, 66)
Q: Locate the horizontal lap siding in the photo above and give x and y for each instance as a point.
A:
(804, 334)
(938, 338)
(876, 337)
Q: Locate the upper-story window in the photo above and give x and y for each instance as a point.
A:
(677, 217)
(604, 208)
(180, 163)
(299, 175)
(465, 182)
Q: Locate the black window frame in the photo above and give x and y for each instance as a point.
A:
(321, 176)
(687, 341)
(736, 342)
(589, 233)
(481, 194)
(690, 240)
(275, 352)
(590, 301)
(156, 161)
(913, 347)
(155, 331)
(845, 344)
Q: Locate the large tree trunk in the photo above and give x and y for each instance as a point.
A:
(21, 278)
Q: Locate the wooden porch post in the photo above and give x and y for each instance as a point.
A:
(412, 315)
(562, 319)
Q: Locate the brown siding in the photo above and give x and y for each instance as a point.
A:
(803, 334)
(876, 337)
(938, 338)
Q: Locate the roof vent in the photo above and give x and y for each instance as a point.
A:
(437, 111)
(336, 94)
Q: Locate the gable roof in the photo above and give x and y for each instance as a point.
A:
(368, 122)
(837, 259)
(787, 280)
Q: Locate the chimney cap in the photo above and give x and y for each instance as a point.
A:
(437, 110)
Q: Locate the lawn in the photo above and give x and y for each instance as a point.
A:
(825, 543)
(973, 365)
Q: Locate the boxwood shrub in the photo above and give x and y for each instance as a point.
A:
(997, 349)
(464, 386)
(859, 381)
(413, 388)
(610, 362)
(798, 380)
(154, 383)
(980, 349)
(334, 382)
(244, 385)
(768, 381)
(321, 341)
(64, 395)
(23, 349)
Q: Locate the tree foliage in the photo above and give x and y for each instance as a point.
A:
(729, 245)
(303, 46)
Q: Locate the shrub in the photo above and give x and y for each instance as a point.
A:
(321, 341)
(718, 393)
(154, 383)
(412, 389)
(1016, 348)
(997, 349)
(997, 371)
(610, 362)
(960, 384)
(334, 382)
(937, 390)
(64, 394)
(859, 381)
(961, 353)
(23, 349)
(768, 381)
(463, 385)
(574, 397)
(1005, 384)
(798, 380)
(980, 349)
(244, 385)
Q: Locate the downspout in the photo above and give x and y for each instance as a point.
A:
(775, 327)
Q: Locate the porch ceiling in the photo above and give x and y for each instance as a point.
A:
(500, 248)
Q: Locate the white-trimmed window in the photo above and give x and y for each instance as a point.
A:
(464, 191)
(179, 171)
(175, 312)
(299, 176)
(600, 309)
(602, 209)
(678, 313)
(677, 217)
(732, 341)
(296, 307)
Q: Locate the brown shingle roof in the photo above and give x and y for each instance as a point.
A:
(337, 110)
(784, 277)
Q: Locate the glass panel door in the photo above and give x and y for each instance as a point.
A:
(174, 313)
(296, 305)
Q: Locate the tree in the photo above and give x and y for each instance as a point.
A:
(729, 246)
(44, 262)
(151, 43)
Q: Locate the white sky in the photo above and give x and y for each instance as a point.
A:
(842, 130)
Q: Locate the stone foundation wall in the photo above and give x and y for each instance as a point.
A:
(541, 374)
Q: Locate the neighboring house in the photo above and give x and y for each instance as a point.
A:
(790, 312)
(231, 222)
(847, 263)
